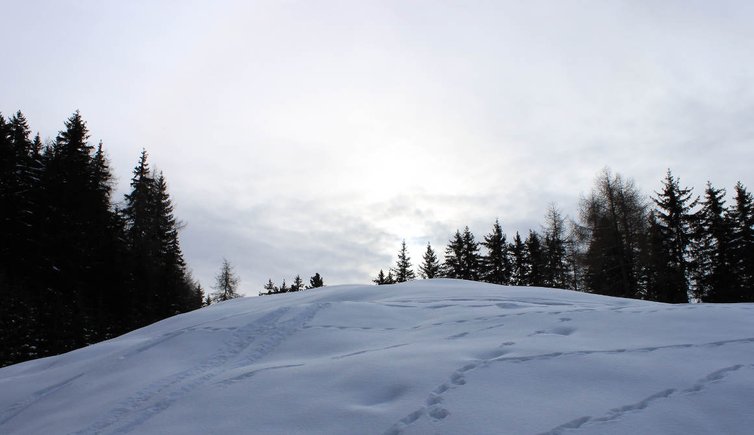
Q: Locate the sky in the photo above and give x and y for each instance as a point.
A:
(313, 136)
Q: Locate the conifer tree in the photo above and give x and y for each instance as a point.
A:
(519, 261)
(611, 232)
(270, 288)
(74, 277)
(403, 271)
(713, 274)
(226, 283)
(381, 279)
(298, 284)
(284, 287)
(453, 265)
(390, 279)
(675, 221)
(536, 260)
(742, 243)
(471, 259)
(496, 264)
(77, 240)
(18, 317)
(430, 267)
(159, 271)
(316, 281)
(556, 269)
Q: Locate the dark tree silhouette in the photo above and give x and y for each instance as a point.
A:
(496, 263)
(226, 283)
(430, 267)
(403, 271)
(675, 222)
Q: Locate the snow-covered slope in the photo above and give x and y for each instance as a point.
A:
(438, 356)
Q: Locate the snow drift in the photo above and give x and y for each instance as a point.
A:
(437, 356)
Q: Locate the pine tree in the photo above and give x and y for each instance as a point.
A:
(556, 268)
(76, 237)
(270, 288)
(226, 283)
(453, 265)
(390, 279)
(179, 286)
(298, 284)
(381, 279)
(403, 271)
(430, 267)
(675, 221)
(160, 278)
(284, 287)
(519, 261)
(316, 281)
(713, 274)
(471, 258)
(18, 334)
(536, 260)
(496, 264)
(742, 243)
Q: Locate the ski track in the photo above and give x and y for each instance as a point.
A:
(18, 407)
(616, 413)
(433, 404)
(247, 345)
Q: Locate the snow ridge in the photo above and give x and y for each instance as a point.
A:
(435, 356)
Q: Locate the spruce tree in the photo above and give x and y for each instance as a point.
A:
(316, 281)
(535, 260)
(76, 241)
(160, 279)
(430, 267)
(471, 259)
(270, 288)
(298, 284)
(676, 221)
(381, 279)
(713, 274)
(519, 261)
(742, 243)
(496, 264)
(403, 271)
(453, 265)
(390, 279)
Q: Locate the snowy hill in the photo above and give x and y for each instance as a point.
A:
(439, 356)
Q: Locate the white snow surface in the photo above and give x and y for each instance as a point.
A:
(424, 357)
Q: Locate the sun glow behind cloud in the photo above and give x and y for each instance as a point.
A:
(291, 130)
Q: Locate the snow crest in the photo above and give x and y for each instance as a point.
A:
(435, 356)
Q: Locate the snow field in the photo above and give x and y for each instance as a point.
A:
(437, 356)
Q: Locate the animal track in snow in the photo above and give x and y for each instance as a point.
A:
(360, 352)
(558, 330)
(617, 413)
(458, 379)
(246, 345)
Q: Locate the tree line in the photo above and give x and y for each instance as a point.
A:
(75, 267)
(671, 247)
(297, 284)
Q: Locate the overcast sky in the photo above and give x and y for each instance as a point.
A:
(312, 136)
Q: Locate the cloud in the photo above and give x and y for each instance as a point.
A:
(302, 138)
